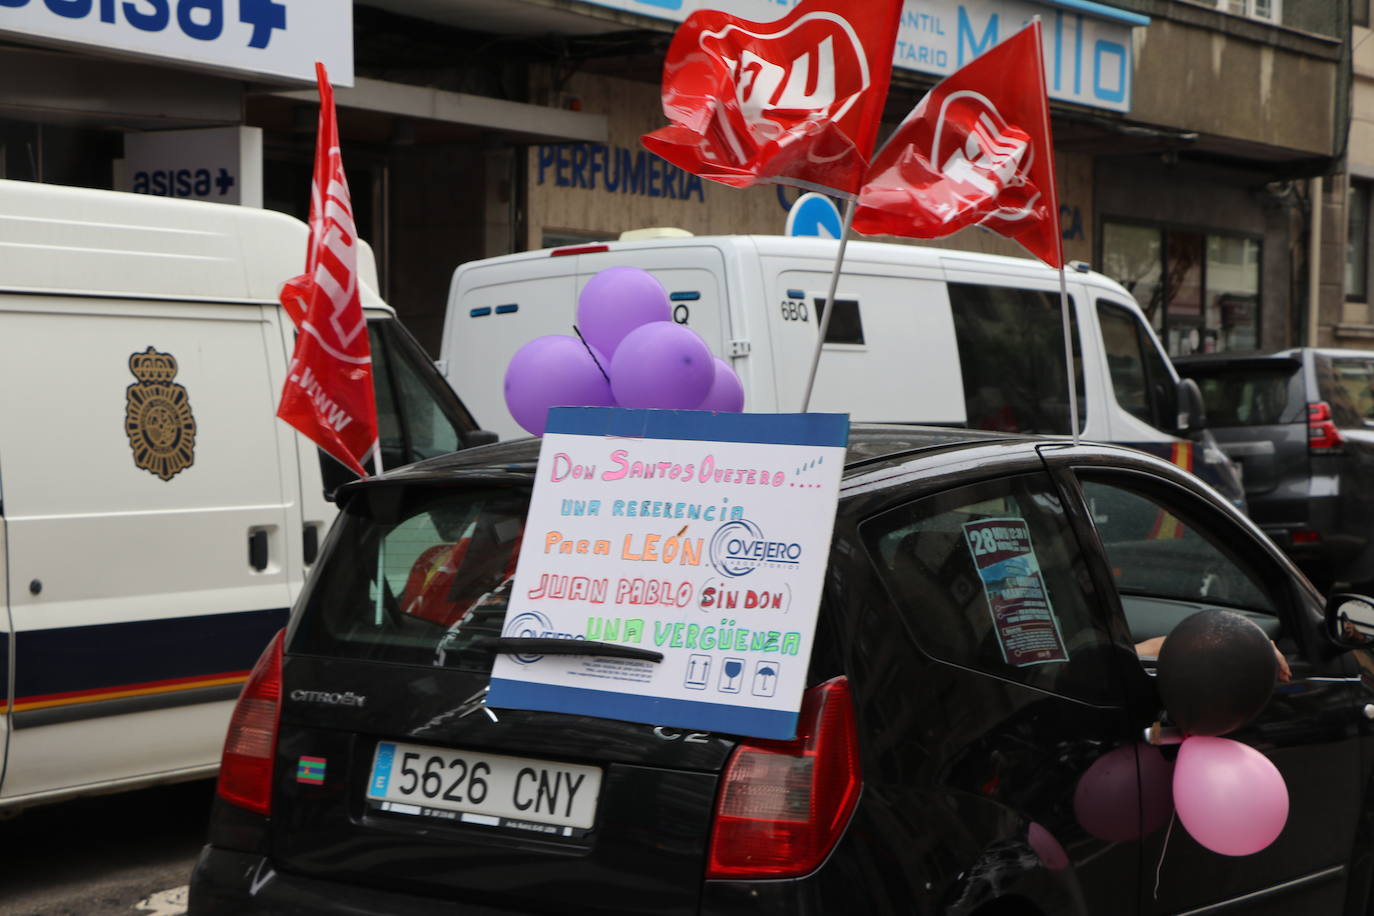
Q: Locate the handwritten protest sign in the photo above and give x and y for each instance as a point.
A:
(703, 536)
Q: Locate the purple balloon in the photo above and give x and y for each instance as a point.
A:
(616, 301)
(662, 365)
(727, 391)
(554, 371)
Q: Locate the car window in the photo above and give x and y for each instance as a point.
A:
(1011, 356)
(1251, 396)
(1141, 380)
(416, 576)
(1167, 562)
(1347, 384)
(418, 415)
(989, 576)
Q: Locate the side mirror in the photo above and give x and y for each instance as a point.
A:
(475, 437)
(1192, 413)
(1350, 621)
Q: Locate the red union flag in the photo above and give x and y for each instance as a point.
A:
(796, 101)
(328, 394)
(975, 151)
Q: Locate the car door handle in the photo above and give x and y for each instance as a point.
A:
(257, 550)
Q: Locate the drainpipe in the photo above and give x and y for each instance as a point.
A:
(1314, 259)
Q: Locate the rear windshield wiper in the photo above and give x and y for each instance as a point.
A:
(547, 645)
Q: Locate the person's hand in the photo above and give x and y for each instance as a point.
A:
(1150, 649)
(1285, 673)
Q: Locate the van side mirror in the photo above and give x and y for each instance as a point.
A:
(1192, 413)
(475, 437)
(1350, 621)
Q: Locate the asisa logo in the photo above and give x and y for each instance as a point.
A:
(827, 77)
(974, 146)
(532, 625)
(738, 548)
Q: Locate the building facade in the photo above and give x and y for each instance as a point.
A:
(1197, 142)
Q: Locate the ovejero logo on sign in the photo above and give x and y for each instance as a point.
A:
(738, 548)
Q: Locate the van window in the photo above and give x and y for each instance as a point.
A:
(418, 415)
(417, 576)
(1141, 380)
(989, 576)
(1011, 354)
(846, 326)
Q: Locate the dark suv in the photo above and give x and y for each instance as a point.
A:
(939, 766)
(1300, 425)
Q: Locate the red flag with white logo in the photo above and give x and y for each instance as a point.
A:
(328, 394)
(975, 151)
(796, 101)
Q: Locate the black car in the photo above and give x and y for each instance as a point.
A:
(939, 767)
(1300, 425)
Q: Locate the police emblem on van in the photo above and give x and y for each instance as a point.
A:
(157, 416)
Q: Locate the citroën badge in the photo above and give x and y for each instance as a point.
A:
(157, 416)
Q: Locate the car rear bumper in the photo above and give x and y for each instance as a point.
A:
(228, 883)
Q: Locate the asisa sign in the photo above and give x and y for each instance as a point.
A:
(273, 38)
(1088, 49)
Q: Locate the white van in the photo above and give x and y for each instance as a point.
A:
(919, 335)
(156, 518)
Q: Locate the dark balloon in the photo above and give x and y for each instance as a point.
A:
(1216, 671)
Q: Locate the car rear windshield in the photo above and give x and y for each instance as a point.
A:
(1346, 384)
(1251, 395)
(446, 557)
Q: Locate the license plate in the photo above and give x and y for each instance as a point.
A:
(488, 789)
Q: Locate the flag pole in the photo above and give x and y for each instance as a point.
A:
(829, 301)
(1064, 306)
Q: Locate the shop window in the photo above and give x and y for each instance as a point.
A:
(1266, 10)
(1357, 241)
(1359, 12)
(1200, 290)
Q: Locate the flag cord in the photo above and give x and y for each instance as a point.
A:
(1064, 306)
(829, 302)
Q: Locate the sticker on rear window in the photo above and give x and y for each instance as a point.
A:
(1023, 618)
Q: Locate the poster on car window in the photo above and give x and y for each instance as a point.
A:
(1022, 616)
(701, 536)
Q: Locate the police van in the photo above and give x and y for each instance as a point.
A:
(918, 335)
(156, 519)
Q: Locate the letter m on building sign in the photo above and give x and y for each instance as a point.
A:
(328, 394)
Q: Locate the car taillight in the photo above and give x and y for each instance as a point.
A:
(245, 770)
(1307, 537)
(784, 804)
(1322, 434)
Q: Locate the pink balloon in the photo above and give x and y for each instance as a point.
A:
(1046, 847)
(554, 371)
(662, 365)
(1229, 796)
(727, 391)
(1114, 803)
(616, 301)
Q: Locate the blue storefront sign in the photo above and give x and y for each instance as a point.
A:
(1089, 55)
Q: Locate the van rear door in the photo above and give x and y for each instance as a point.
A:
(146, 506)
(494, 309)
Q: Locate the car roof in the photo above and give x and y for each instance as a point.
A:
(870, 446)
